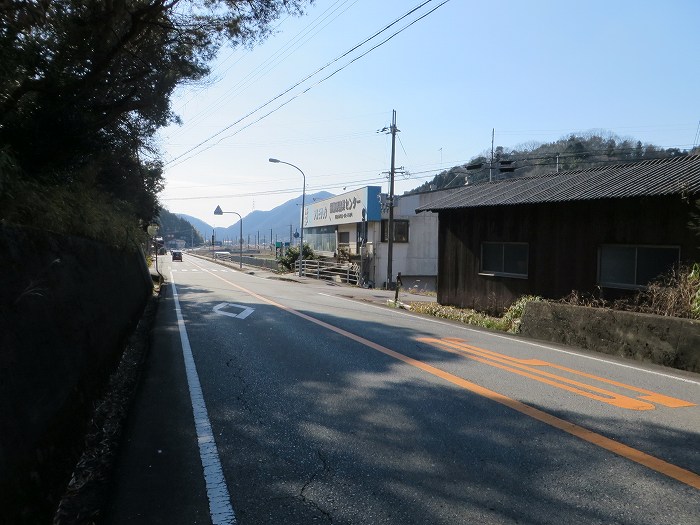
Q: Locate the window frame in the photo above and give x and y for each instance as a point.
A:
(502, 272)
(385, 226)
(636, 247)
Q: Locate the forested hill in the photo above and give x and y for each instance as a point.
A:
(535, 159)
(174, 227)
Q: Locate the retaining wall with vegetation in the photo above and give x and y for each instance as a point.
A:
(668, 341)
(67, 306)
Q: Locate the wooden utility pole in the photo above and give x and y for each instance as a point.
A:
(493, 135)
(390, 233)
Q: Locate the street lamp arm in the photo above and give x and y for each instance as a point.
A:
(303, 197)
(219, 211)
(292, 165)
(234, 212)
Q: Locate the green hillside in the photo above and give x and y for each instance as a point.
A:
(535, 159)
(173, 227)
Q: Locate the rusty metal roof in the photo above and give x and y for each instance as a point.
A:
(672, 176)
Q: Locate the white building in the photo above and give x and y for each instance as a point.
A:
(355, 224)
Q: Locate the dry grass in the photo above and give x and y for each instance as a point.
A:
(675, 294)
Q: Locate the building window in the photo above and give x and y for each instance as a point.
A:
(321, 239)
(504, 258)
(628, 266)
(400, 230)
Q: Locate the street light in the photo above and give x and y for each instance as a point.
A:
(303, 197)
(219, 211)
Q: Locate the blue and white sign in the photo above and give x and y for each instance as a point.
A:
(344, 209)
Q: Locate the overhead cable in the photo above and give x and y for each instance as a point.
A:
(182, 156)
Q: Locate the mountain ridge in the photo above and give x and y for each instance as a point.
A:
(258, 222)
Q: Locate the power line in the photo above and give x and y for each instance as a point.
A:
(271, 62)
(297, 84)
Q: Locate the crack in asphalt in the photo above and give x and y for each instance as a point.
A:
(324, 468)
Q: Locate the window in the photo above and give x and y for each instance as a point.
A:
(321, 238)
(628, 266)
(400, 231)
(504, 258)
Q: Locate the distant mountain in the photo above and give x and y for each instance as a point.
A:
(202, 227)
(261, 222)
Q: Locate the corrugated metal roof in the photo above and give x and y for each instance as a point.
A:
(672, 176)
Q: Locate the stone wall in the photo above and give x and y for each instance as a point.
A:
(66, 308)
(667, 341)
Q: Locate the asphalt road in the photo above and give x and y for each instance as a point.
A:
(319, 408)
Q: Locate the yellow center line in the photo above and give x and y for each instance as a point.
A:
(673, 471)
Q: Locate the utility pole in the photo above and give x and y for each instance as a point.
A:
(493, 133)
(390, 233)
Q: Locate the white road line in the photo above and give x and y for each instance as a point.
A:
(220, 508)
(205, 269)
(538, 345)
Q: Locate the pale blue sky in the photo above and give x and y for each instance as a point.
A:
(533, 70)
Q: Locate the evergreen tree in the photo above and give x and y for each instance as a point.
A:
(85, 85)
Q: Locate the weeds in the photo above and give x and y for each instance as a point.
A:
(674, 294)
(508, 322)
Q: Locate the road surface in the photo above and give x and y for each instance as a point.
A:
(266, 401)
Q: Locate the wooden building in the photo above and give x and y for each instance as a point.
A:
(605, 231)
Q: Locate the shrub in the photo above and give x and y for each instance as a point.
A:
(289, 259)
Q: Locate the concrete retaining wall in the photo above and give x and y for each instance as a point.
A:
(667, 341)
(66, 307)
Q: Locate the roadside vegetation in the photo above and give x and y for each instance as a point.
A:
(508, 322)
(290, 257)
(676, 294)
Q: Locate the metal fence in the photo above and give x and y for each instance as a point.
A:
(348, 273)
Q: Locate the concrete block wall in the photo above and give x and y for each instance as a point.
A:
(667, 341)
